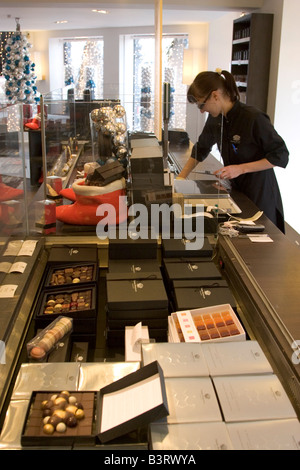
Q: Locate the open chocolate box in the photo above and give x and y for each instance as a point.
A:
(117, 409)
(71, 274)
(79, 303)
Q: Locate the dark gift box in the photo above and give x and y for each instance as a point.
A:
(140, 314)
(73, 254)
(77, 303)
(188, 298)
(173, 248)
(107, 415)
(191, 270)
(136, 294)
(125, 247)
(133, 266)
(70, 274)
(106, 174)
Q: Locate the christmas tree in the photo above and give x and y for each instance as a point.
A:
(18, 70)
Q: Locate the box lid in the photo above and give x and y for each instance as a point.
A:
(132, 402)
(181, 247)
(196, 297)
(192, 270)
(73, 254)
(131, 294)
(133, 266)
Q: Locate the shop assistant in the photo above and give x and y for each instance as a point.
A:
(249, 145)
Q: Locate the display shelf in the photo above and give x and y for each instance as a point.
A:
(250, 59)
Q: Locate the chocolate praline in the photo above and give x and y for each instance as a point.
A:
(71, 422)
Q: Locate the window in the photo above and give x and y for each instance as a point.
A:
(83, 65)
(140, 78)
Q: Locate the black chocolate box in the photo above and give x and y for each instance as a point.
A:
(73, 254)
(92, 427)
(77, 303)
(188, 298)
(190, 270)
(136, 294)
(173, 248)
(133, 266)
(128, 248)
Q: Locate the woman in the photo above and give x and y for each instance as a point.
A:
(249, 144)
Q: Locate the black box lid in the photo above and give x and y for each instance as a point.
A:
(132, 391)
(133, 294)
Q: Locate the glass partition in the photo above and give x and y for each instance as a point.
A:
(96, 131)
(13, 168)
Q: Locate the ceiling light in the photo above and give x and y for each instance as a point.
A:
(104, 12)
(61, 21)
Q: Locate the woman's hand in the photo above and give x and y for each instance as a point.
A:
(229, 172)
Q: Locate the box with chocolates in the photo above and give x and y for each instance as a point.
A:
(216, 323)
(69, 274)
(47, 340)
(77, 303)
(83, 418)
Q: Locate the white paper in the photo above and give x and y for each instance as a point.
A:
(27, 248)
(125, 404)
(7, 291)
(260, 238)
(7, 268)
(13, 248)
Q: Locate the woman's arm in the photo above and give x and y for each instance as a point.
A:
(188, 167)
(233, 171)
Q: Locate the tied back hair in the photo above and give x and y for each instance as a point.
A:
(207, 82)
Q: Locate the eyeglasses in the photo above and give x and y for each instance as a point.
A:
(201, 105)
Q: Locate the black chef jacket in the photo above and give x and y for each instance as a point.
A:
(248, 136)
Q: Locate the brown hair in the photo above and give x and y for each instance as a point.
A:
(207, 82)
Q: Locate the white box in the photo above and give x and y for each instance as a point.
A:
(190, 436)
(190, 400)
(281, 434)
(253, 398)
(236, 358)
(177, 359)
(218, 323)
(135, 336)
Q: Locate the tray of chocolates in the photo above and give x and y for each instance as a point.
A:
(216, 323)
(80, 304)
(60, 419)
(70, 274)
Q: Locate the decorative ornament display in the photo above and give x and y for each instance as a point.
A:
(18, 70)
(110, 124)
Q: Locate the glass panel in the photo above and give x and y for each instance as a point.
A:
(13, 191)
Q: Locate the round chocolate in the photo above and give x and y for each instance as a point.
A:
(60, 401)
(71, 409)
(79, 414)
(71, 422)
(54, 420)
(48, 429)
(47, 412)
(79, 405)
(46, 404)
(61, 427)
(72, 400)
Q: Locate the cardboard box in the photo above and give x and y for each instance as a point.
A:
(281, 434)
(191, 400)
(188, 298)
(253, 398)
(189, 436)
(173, 248)
(217, 323)
(133, 266)
(136, 294)
(107, 412)
(73, 254)
(236, 358)
(129, 248)
(177, 359)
